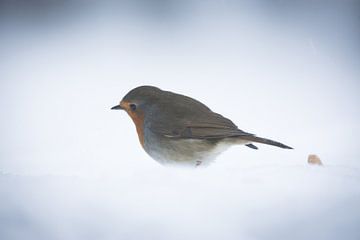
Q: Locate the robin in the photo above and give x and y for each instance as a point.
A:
(176, 129)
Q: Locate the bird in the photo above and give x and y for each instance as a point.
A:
(177, 130)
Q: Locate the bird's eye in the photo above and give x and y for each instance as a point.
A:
(132, 107)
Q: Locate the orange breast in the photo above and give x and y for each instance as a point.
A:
(138, 119)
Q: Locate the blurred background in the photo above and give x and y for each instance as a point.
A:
(72, 169)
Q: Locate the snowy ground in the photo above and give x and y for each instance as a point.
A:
(246, 202)
(72, 169)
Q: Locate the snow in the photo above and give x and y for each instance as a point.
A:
(244, 202)
(70, 168)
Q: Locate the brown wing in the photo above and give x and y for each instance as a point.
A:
(196, 132)
(179, 120)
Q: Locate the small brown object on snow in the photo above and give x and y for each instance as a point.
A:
(314, 160)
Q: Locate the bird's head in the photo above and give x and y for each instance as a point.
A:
(137, 103)
(139, 100)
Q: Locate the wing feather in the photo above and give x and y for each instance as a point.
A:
(212, 126)
(178, 116)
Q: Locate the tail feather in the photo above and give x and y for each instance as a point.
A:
(251, 146)
(265, 141)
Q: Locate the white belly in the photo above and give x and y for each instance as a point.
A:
(187, 152)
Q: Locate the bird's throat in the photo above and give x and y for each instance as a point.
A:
(138, 120)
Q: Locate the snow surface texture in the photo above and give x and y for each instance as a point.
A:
(70, 168)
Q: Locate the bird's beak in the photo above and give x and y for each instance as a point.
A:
(117, 107)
